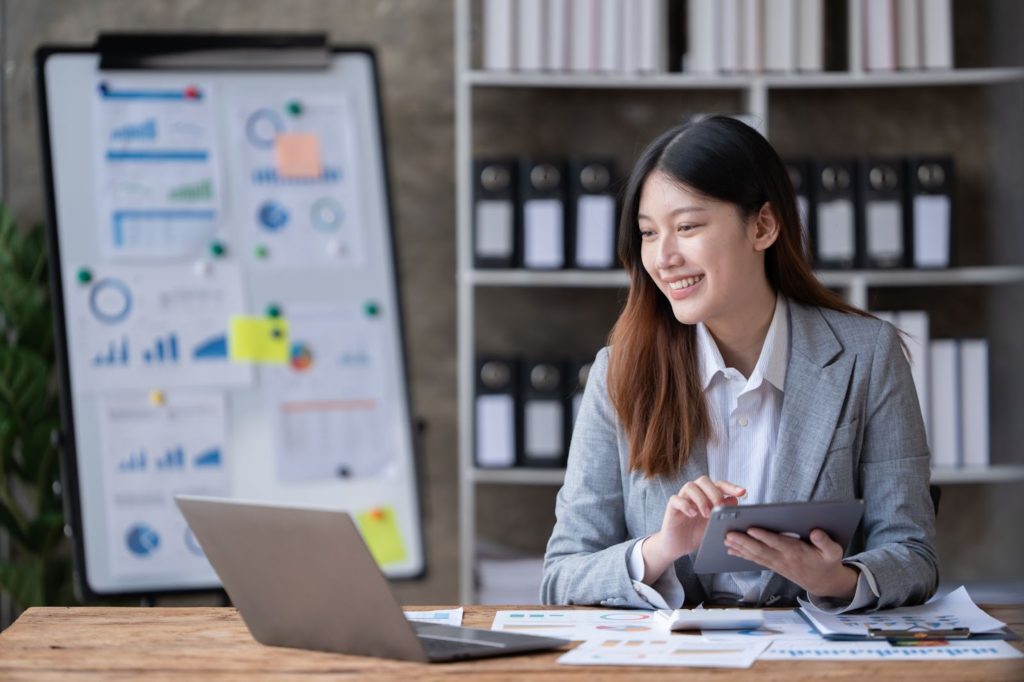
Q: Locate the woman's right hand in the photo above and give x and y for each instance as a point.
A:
(682, 526)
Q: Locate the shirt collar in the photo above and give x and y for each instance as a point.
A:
(771, 364)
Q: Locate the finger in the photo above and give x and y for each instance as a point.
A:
(830, 550)
(776, 541)
(682, 505)
(728, 488)
(696, 495)
(714, 495)
(746, 547)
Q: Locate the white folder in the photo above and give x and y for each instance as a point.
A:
(974, 412)
(498, 35)
(937, 34)
(530, 35)
(945, 412)
(908, 34)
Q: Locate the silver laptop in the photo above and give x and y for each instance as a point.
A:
(304, 578)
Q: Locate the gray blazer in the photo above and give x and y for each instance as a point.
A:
(850, 427)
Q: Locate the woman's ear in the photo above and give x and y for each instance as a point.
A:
(765, 228)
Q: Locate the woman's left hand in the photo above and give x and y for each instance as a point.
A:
(816, 566)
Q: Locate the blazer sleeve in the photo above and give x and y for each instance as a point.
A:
(894, 472)
(586, 561)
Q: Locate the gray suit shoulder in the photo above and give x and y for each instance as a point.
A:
(855, 331)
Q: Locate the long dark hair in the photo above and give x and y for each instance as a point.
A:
(653, 377)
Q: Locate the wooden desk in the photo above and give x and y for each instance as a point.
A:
(213, 644)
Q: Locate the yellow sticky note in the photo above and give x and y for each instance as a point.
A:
(258, 339)
(379, 527)
(297, 155)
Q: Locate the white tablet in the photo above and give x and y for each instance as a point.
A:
(797, 519)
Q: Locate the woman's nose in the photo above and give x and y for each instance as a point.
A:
(668, 254)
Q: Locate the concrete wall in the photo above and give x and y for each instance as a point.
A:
(414, 38)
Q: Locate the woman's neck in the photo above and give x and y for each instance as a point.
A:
(740, 337)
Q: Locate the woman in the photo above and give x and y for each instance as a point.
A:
(733, 375)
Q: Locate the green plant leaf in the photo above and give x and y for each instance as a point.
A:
(24, 582)
(24, 388)
(38, 454)
(45, 531)
(12, 523)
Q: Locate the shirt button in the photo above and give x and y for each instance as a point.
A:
(744, 421)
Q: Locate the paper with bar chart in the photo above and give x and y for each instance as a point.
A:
(142, 328)
(327, 406)
(152, 450)
(687, 651)
(582, 625)
(157, 168)
(298, 183)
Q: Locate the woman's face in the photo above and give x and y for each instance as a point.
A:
(704, 256)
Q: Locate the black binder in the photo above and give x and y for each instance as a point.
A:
(542, 414)
(930, 182)
(836, 214)
(591, 215)
(494, 213)
(800, 175)
(885, 226)
(542, 214)
(497, 431)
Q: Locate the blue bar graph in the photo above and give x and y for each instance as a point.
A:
(135, 461)
(173, 459)
(115, 354)
(164, 351)
(208, 460)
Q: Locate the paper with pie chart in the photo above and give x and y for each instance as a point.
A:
(135, 327)
(158, 193)
(582, 625)
(299, 184)
(328, 407)
(150, 453)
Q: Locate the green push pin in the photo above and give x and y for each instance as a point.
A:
(217, 249)
(261, 251)
(294, 108)
(84, 275)
(371, 309)
(273, 310)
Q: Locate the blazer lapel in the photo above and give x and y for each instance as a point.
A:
(817, 380)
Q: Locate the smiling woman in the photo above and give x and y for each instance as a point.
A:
(731, 374)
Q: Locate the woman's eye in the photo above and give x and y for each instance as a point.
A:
(686, 228)
(644, 234)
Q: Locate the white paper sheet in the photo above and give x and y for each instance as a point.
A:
(301, 222)
(157, 179)
(438, 617)
(150, 453)
(955, 610)
(135, 327)
(786, 624)
(327, 405)
(672, 651)
(819, 650)
(581, 625)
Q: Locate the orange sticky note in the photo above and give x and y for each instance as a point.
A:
(297, 155)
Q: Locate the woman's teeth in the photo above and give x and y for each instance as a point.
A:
(683, 283)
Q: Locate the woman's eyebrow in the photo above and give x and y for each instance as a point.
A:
(675, 211)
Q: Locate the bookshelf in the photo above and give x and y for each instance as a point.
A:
(755, 92)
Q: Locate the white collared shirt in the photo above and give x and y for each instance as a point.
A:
(745, 413)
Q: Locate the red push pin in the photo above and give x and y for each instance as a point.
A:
(192, 92)
(377, 514)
